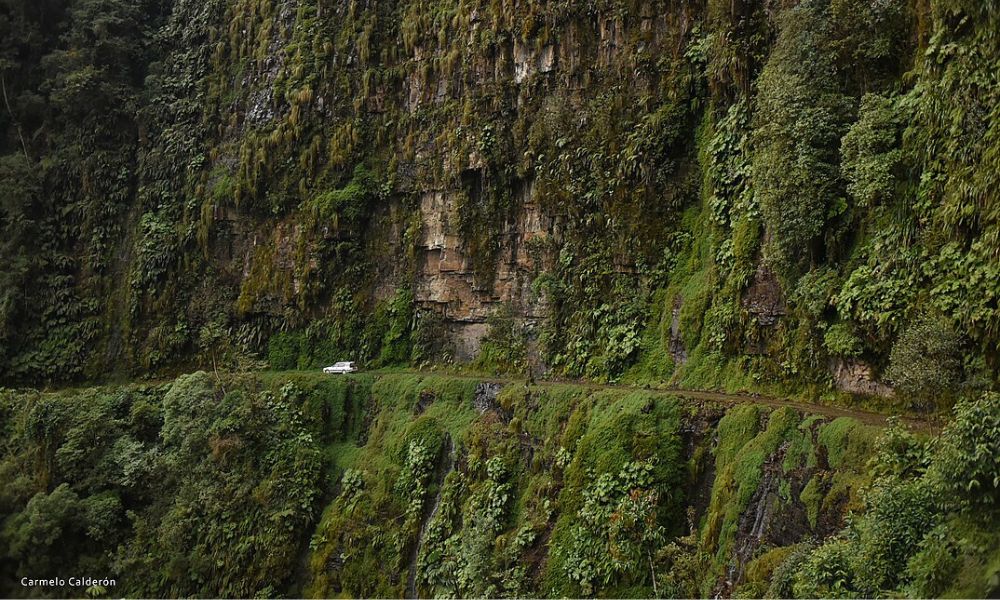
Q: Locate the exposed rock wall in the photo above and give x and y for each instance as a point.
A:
(468, 216)
(856, 377)
(672, 190)
(446, 280)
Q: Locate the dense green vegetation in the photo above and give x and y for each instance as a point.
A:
(796, 198)
(202, 492)
(393, 485)
(775, 193)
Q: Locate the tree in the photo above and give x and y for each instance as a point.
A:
(926, 360)
(42, 536)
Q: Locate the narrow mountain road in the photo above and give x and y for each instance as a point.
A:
(867, 417)
(930, 425)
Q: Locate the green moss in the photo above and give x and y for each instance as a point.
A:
(760, 571)
(740, 455)
(739, 426)
(848, 443)
(812, 498)
(801, 449)
(655, 363)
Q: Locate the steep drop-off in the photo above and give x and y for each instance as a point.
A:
(561, 490)
(407, 485)
(726, 194)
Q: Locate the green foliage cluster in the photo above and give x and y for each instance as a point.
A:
(454, 503)
(966, 463)
(462, 559)
(302, 484)
(801, 116)
(926, 360)
(839, 340)
(871, 153)
(349, 206)
(178, 489)
(71, 75)
(504, 348)
(929, 525)
(617, 530)
(619, 174)
(383, 339)
(828, 165)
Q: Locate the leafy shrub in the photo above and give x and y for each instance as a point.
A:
(681, 568)
(814, 290)
(871, 152)
(351, 483)
(933, 568)
(826, 572)
(900, 513)
(617, 530)
(879, 292)
(44, 533)
(840, 340)
(783, 577)
(870, 37)
(926, 360)
(967, 464)
(413, 482)
(761, 571)
(900, 453)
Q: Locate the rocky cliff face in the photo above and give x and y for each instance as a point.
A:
(711, 192)
(446, 281)
(449, 118)
(448, 110)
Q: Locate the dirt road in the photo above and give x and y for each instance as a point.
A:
(926, 425)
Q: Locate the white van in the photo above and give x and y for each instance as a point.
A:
(341, 367)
